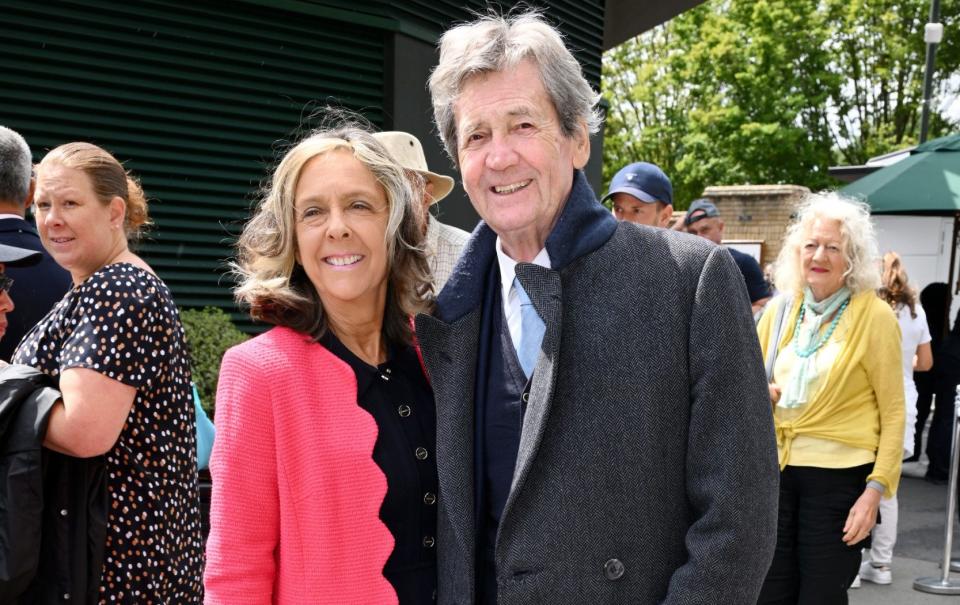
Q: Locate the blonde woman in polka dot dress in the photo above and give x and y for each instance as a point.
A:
(116, 346)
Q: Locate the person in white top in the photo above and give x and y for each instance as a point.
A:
(917, 356)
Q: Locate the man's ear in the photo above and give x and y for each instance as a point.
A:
(581, 149)
(33, 188)
(665, 215)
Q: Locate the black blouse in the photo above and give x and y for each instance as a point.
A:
(397, 395)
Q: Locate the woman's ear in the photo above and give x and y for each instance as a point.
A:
(118, 212)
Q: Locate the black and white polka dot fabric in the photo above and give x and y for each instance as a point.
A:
(122, 323)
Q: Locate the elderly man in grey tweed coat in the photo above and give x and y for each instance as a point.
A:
(604, 433)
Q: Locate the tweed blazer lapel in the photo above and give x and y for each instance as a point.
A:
(544, 289)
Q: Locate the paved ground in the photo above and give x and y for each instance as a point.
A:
(919, 548)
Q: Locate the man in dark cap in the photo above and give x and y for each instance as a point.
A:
(703, 219)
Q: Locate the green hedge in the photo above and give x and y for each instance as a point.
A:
(209, 333)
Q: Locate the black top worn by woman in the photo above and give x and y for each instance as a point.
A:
(397, 395)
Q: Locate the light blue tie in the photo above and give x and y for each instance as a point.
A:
(531, 331)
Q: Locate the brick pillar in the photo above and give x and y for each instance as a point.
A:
(757, 212)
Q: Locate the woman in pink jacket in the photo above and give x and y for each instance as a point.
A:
(324, 480)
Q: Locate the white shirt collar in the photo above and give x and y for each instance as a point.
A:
(3, 216)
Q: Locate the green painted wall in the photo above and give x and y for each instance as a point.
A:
(197, 97)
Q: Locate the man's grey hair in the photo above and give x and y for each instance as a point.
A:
(15, 167)
(495, 43)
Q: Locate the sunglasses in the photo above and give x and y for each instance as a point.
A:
(5, 283)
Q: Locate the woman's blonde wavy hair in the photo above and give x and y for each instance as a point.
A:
(859, 249)
(274, 285)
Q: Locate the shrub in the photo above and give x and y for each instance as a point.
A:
(209, 333)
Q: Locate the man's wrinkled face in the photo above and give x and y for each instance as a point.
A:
(517, 164)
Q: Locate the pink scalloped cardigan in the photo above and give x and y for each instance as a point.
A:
(296, 493)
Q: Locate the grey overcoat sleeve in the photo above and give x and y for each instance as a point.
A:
(732, 475)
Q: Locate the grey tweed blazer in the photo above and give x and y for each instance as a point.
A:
(647, 469)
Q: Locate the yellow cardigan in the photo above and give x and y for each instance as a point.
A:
(869, 416)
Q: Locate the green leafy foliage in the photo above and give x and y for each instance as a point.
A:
(773, 91)
(209, 333)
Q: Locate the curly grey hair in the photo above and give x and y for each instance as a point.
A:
(17, 166)
(860, 249)
(495, 43)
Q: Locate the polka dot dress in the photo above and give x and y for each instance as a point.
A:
(122, 323)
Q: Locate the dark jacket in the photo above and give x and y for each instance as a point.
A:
(37, 288)
(647, 464)
(52, 507)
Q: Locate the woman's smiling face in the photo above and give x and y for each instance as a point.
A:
(341, 213)
(821, 258)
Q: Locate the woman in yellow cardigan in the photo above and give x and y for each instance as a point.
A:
(833, 362)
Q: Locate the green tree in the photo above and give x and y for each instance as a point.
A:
(766, 68)
(649, 100)
(771, 91)
(879, 47)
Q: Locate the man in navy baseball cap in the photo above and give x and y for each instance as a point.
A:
(642, 194)
(703, 219)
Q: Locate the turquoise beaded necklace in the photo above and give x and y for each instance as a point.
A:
(804, 353)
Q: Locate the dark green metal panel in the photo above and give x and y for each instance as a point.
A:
(193, 96)
(196, 96)
(581, 21)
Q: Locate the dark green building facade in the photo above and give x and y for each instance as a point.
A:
(198, 97)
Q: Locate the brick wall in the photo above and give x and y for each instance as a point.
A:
(756, 213)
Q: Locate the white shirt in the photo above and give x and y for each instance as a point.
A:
(511, 300)
(914, 332)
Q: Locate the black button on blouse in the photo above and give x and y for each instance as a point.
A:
(397, 395)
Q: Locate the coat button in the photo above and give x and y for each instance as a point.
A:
(420, 453)
(525, 397)
(428, 542)
(404, 411)
(63, 512)
(614, 569)
(429, 498)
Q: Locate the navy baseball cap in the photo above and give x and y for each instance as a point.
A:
(644, 181)
(702, 208)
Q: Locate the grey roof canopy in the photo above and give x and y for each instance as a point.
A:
(624, 19)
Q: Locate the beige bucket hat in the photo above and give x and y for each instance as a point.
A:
(408, 152)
